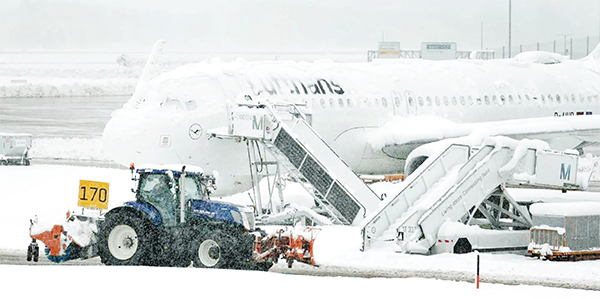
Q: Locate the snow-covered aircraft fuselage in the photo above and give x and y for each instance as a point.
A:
(372, 114)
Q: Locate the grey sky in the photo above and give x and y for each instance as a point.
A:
(288, 25)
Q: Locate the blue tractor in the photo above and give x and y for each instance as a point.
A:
(173, 222)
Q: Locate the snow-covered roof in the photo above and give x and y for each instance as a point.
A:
(541, 57)
(175, 168)
(565, 209)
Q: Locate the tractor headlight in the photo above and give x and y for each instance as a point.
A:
(243, 218)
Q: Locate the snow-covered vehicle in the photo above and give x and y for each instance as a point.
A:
(14, 148)
(172, 222)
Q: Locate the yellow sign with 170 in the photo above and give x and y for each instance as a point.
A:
(93, 195)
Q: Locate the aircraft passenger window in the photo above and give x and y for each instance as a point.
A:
(527, 98)
(428, 101)
(462, 100)
(350, 103)
(454, 101)
(478, 100)
(487, 100)
(502, 100)
(397, 101)
(420, 101)
(550, 99)
(543, 99)
(471, 100)
(495, 99)
(437, 100)
(410, 101)
(341, 101)
(510, 99)
(313, 102)
(566, 99)
(596, 97)
(446, 100)
(573, 98)
(375, 102)
(383, 102)
(581, 98)
(323, 103)
(589, 99)
(520, 100)
(558, 98)
(332, 103)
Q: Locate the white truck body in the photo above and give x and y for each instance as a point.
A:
(14, 148)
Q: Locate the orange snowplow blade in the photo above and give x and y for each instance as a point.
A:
(52, 239)
(296, 245)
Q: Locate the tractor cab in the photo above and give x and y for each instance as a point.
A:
(161, 187)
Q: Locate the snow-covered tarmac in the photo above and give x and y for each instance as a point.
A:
(50, 190)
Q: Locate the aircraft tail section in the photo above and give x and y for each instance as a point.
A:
(150, 70)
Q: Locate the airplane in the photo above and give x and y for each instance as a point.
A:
(379, 117)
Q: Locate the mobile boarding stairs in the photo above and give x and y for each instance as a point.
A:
(460, 185)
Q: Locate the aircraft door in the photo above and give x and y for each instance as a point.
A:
(410, 102)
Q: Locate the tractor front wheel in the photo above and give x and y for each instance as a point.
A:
(208, 252)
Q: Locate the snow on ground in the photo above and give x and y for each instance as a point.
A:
(68, 148)
(66, 80)
(50, 191)
(145, 282)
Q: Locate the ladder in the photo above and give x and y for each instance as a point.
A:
(300, 150)
(415, 186)
(452, 189)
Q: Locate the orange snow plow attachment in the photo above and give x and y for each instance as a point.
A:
(73, 239)
(52, 240)
(296, 245)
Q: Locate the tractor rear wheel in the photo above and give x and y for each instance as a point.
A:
(125, 239)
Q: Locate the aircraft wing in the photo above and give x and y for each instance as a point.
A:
(400, 136)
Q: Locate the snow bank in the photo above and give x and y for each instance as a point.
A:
(68, 148)
(541, 57)
(565, 209)
(67, 81)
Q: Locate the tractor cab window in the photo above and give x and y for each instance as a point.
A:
(156, 185)
(157, 190)
(193, 188)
